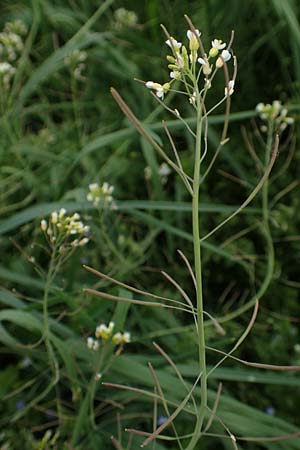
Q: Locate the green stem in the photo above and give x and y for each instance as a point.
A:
(265, 191)
(49, 279)
(94, 382)
(198, 276)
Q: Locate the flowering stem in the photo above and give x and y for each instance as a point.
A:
(198, 276)
(49, 279)
(265, 191)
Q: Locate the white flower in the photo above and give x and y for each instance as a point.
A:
(83, 242)
(229, 89)
(164, 170)
(289, 120)
(62, 212)
(218, 44)
(120, 338)
(192, 99)
(175, 75)
(93, 186)
(90, 342)
(193, 37)
(44, 225)
(225, 57)
(174, 44)
(277, 105)
(205, 64)
(207, 83)
(160, 89)
(54, 217)
(259, 107)
(5, 67)
(126, 337)
(160, 92)
(99, 194)
(150, 84)
(104, 332)
(96, 345)
(274, 112)
(148, 172)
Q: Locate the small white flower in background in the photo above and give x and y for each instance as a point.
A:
(148, 172)
(124, 18)
(274, 112)
(164, 171)
(98, 376)
(121, 338)
(174, 44)
(101, 195)
(7, 71)
(216, 45)
(5, 68)
(26, 362)
(193, 38)
(75, 62)
(44, 225)
(104, 332)
(229, 90)
(11, 45)
(54, 217)
(225, 57)
(297, 348)
(92, 343)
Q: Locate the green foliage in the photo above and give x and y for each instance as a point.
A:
(60, 132)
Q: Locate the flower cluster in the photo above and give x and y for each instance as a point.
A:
(75, 62)
(276, 113)
(183, 63)
(64, 230)
(123, 18)
(101, 195)
(105, 333)
(11, 46)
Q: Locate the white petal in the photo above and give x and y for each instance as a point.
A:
(226, 55)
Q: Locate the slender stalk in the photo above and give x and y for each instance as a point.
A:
(50, 276)
(265, 191)
(198, 276)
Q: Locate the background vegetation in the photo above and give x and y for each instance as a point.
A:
(60, 133)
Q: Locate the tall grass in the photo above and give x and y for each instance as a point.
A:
(58, 135)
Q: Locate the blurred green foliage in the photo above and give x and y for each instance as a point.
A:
(60, 133)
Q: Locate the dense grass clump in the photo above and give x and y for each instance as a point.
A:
(82, 191)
